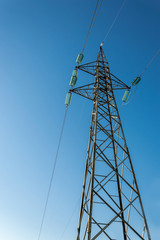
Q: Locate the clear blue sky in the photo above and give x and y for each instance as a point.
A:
(39, 42)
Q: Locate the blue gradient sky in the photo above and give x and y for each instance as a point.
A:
(39, 42)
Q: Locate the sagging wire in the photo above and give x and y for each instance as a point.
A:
(81, 55)
(114, 21)
(150, 62)
(69, 220)
(97, 8)
(52, 174)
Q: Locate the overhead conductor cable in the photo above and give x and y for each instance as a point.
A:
(137, 79)
(52, 175)
(118, 13)
(150, 62)
(96, 10)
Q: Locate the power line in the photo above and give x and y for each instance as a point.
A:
(147, 66)
(90, 26)
(69, 220)
(150, 62)
(52, 175)
(96, 10)
(118, 13)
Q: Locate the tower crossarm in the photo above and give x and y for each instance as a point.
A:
(87, 90)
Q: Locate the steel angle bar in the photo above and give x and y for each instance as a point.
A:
(119, 215)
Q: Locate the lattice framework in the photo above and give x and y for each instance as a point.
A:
(111, 205)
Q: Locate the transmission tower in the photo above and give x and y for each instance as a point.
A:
(111, 205)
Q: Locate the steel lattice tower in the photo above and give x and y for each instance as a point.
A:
(111, 205)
